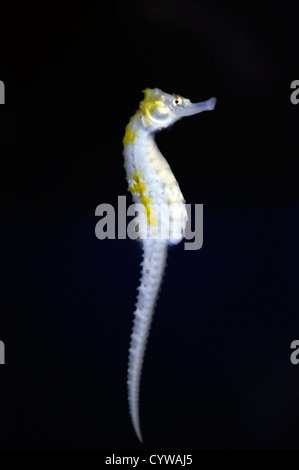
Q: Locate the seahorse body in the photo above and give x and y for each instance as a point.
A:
(154, 186)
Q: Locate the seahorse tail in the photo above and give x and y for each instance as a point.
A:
(153, 265)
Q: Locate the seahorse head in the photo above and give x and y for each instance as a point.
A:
(161, 109)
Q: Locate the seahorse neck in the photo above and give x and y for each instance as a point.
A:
(145, 145)
(147, 156)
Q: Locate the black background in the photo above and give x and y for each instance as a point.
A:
(217, 373)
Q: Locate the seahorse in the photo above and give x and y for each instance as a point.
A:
(154, 186)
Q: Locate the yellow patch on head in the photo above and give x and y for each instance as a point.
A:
(147, 92)
(130, 135)
(140, 188)
(152, 103)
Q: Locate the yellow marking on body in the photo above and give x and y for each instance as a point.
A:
(140, 188)
(130, 134)
(145, 200)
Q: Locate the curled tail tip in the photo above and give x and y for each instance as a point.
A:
(138, 433)
(136, 426)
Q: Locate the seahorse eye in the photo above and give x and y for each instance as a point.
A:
(177, 101)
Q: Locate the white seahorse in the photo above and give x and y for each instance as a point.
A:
(153, 185)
